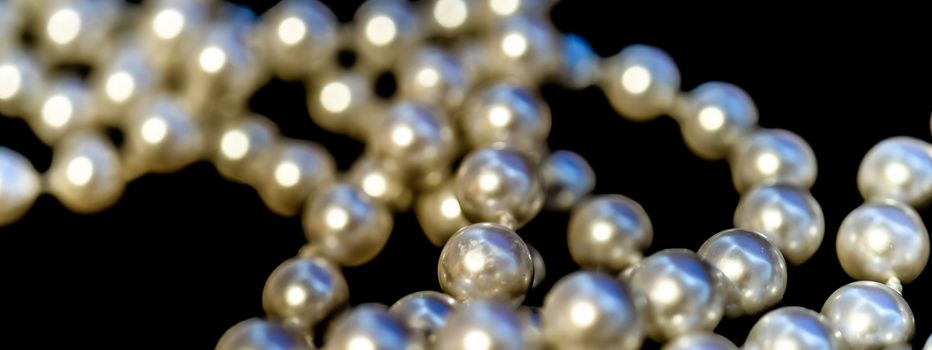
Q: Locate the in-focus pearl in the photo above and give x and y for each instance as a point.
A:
(682, 293)
(772, 156)
(299, 37)
(239, 145)
(898, 168)
(870, 315)
(256, 333)
(338, 101)
(415, 138)
(788, 216)
(73, 31)
(497, 185)
(86, 175)
(524, 48)
(609, 232)
(63, 106)
(303, 291)
(295, 170)
(590, 310)
(385, 30)
(506, 115)
(481, 325)
(372, 327)
(161, 136)
(793, 327)
(125, 78)
(425, 311)
(882, 240)
(432, 77)
(381, 181)
(752, 264)
(486, 261)
(21, 84)
(439, 213)
(641, 82)
(717, 116)
(700, 341)
(19, 186)
(350, 227)
(568, 179)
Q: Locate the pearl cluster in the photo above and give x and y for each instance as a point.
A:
(466, 71)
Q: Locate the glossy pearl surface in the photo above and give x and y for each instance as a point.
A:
(486, 261)
(74, 31)
(432, 77)
(793, 327)
(870, 315)
(481, 324)
(303, 291)
(371, 326)
(752, 264)
(381, 181)
(641, 82)
(64, 105)
(609, 232)
(350, 227)
(506, 115)
(123, 81)
(294, 171)
(790, 217)
(496, 185)
(21, 84)
(161, 136)
(700, 341)
(717, 116)
(385, 29)
(898, 168)
(579, 66)
(524, 49)
(299, 37)
(425, 311)
(567, 178)
(239, 144)
(338, 102)
(439, 213)
(86, 174)
(882, 240)
(773, 157)
(256, 333)
(19, 186)
(415, 138)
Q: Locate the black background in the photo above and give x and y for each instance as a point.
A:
(184, 256)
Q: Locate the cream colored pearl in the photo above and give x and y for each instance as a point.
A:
(752, 264)
(171, 26)
(123, 80)
(350, 227)
(62, 107)
(372, 327)
(494, 12)
(239, 144)
(506, 114)
(788, 216)
(882, 240)
(21, 84)
(295, 170)
(415, 138)
(524, 49)
(898, 168)
(700, 341)
(425, 311)
(870, 315)
(793, 327)
(568, 179)
(161, 136)
(19, 186)
(717, 116)
(256, 333)
(384, 31)
(495, 185)
(482, 324)
(486, 261)
(641, 82)
(298, 37)
(439, 213)
(451, 18)
(771, 156)
(338, 102)
(532, 328)
(86, 175)
(432, 77)
(303, 291)
(75, 31)
(608, 232)
(381, 181)
(540, 267)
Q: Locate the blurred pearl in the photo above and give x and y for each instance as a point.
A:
(21, 82)
(494, 12)
(771, 156)
(883, 240)
(74, 31)
(338, 100)
(299, 36)
(381, 181)
(681, 291)
(523, 48)
(700, 341)
(161, 136)
(898, 168)
(540, 267)
(351, 227)
(385, 29)
(472, 55)
(169, 27)
(425, 311)
(793, 327)
(590, 310)
(568, 179)
(579, 66)
(19, 186)
(486, 261)
(432, 77)
(641, 82)
(497, 185)
(63, 106)
(531, 327)
(481, 325)
(450, 18)
(295, 171)
(870, 315)
(256, 333)
(10, 22)
(752, 263)
(303, 291)
(239, 145)
(505, 114)
(439, 213)
(123, 80)
(609, 232)
(86, 175)
(717, 116)
(928, 345)
(372, 327)
(415, 138)
(788, 216)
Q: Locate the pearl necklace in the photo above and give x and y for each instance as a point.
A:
(465, 71)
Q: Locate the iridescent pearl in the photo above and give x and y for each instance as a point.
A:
(21, 84)
(381, 181)
(752, 264)
(579, 66)
(793, 327)
(256, 333)
(439, 213)
(481, 325)
(788, 216)
(295, 171)
(385, 30)
(681, 291)
(350, 227)
(486, 261)
(239, 145)
(415, 138)
(898, 168)
(608, 232)
(717, 116)
(700, 341)
(540, 267)
(19, 186)
(121, 81)
(641, 82)
(772, 156)
(171, 26)
(86, 175)
(303, 291)
(498, 185)
(425, 311)
(298, 37)
(870, 315)
(567, 178)
(161, 136)
(372, 327)
(338, 100)
(882, 240)
(505, 114)
(524, 48)
(432, 77)
(63, 106)
(590, 310)
(532, 328)
(75, 31)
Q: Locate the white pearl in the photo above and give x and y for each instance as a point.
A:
(700, 341)
(439, 213)
(75, 31)
(641, 82)
(21, 83)
(882, 240)
(752, 264)
(432, 77)
(609, 232)
(171, 26)
(350, 227)
(19, 186)
(567, 178)
(372, 327)
(381, 181)
(303, 291)
(494, 12)
(590, 310)
(161, 136)
(788, 216)
(415, 138)
(298, 37)
(259, 334)
(238, 145)
(506, 114)
(384, 31)
(450, 18)
(928, 345)
(793, 327)
(524, 48)
(532, 327)
(500, 186)
(123, 80)
(772, 156)
(425, 311)
(481, 324)
(86, 175)
(898, 168)
(10, 23)
(295, 170)
(579, 65)
(486, 261)
(717, 116)
(63, 106)
(870, 315)
(338, 102)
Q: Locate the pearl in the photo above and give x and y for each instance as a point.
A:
(432, 77)
(608, 232)
(494, 12)
(898, 168)
(120, 82)
(793, 327)
(590, 310)
(162, 137)
(523, 48)
(486, 261)
(772, 156)
(788, 216)
(86, 175)
(303, 291)
(21, 84)
(448, 18)
(641, 82)
(882, 240)
(540, 267)
(532, 328)
(567, 178)
(385, 31)
(255, 333)
(171, 26)
(481, 325)
(10, 22)
(425, 311)
(239, 144)
(295, 171)
(298, 38)
(505, 114)
(371, 327)
(63, 106)
(700, 341)
(382, 181)
(498, 185)
(439, 213)
(415, 138)
(681, 291)
(72, 31)
(337, 102)
(717, 116)
(350, 227)
(870, 315)
(579, 65)
(752, 264)
(19, 186)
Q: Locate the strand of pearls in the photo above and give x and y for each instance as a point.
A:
(175, 77)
